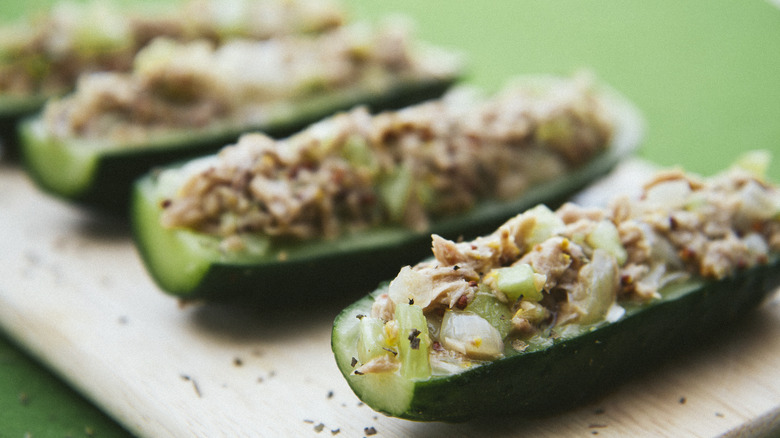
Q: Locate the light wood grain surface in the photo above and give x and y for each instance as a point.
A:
(74, 293)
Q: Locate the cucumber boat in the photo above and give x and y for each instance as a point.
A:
(188, 99)
(43, 54)
(360, 190)
(556, 308)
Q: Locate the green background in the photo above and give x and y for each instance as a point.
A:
(705, 74)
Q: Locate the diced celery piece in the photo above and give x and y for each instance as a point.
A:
(498, 314)
(605, 236)
(358, 153)
(395, 190)
(547, 225)
(414, 342)
(559, 131)
(425, 193)
(519, 280)
(371, 339)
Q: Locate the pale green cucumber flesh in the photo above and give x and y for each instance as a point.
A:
(568, 372)
(69, 170)
(184, 254)
(101, 175)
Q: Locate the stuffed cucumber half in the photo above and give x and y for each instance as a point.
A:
(338, 206)
(186, 99)
(556, 307)
(43, 53)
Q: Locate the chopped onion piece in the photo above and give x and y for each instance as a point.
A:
(470, 334)
(615, 312)
(668, 195)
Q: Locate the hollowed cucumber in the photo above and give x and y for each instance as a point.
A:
(100, 175)
(567, 372)
(191, 266)
(611, 305)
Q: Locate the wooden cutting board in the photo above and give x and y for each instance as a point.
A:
(74, 293)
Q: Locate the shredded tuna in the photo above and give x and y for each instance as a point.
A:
(407, 167)
(239, 84)
(680, 226)
(553, 257)
(46, 53)
(383, 308)
(545, 275)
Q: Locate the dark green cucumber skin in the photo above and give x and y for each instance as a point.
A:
(117, 169)
(348, 273)
(306, 284)
(577, 370)
(9, 140)
(10, 118)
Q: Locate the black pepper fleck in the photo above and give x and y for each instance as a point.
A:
(673, 224)
(194, 383)
(369, 431)
(414, 339)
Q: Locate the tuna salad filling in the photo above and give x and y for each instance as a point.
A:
(356, 170)
(553, 274)
(45, 54)
(182, 86)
